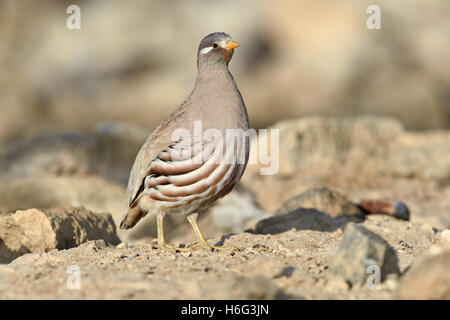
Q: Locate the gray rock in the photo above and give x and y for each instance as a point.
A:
(360, 249)
(36, 230)
(322, 199)
(300, 219)
(427, 279)
(316, 209)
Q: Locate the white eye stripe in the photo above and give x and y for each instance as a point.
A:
(206, 50)
(222, 44)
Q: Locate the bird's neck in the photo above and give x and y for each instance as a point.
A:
(216, 92)
(214, 81)
(213, 72)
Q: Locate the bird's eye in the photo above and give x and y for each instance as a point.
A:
(215, 45)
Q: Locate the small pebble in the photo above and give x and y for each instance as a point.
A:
(391, 282)
(337, 283)
(427, 227)
(186, 254)
(445, 236)
(121, 245)
(435, 250)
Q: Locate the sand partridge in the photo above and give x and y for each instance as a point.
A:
(198, 153)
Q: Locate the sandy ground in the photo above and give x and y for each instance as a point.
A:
(291, 265)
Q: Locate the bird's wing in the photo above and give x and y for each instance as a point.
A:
(187, 170)
(159, 140)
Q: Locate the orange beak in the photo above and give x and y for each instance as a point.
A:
(232, 45)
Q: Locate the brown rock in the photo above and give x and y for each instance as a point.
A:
(427, 279)
(36, 230)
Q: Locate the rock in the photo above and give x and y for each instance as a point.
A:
(350, 153)
(322, 199)
(317, 151)
(121, 245)
(92, 192)
(300, 219)
(445, 238)
(256, 287)
(35, 230)
(358, 250)
(424, 156)
(316, 209)
(236, 212)
(109, 152)
(427, 279)
(119, 144)
(55, 154)
(337, 283)
(335, 205)
(262, 268)
(97, 245)
(310, 140)
(391, 282)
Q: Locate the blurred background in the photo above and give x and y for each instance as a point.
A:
(135, 61)
(361, 114)
(76, 105)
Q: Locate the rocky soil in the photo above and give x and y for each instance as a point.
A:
(306, 233)
(296, 263)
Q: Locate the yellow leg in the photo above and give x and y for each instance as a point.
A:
(192, 218)
(161, 242)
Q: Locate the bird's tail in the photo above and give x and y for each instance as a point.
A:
(132, 216)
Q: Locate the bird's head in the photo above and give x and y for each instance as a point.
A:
(215, 48)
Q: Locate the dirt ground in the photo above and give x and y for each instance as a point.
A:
(291, 265)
